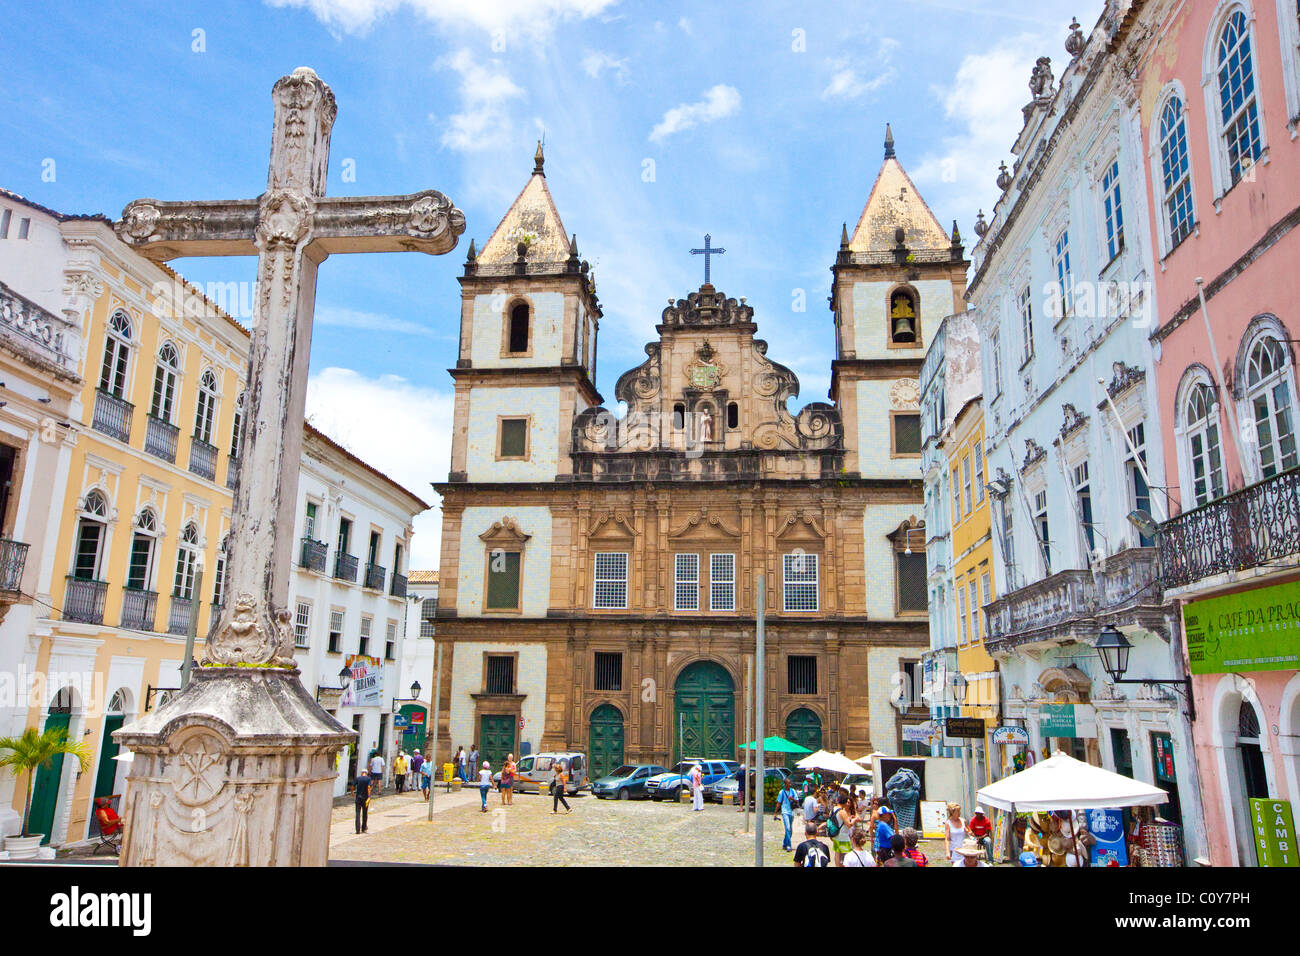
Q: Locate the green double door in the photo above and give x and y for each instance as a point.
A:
(804, 728)
(496, 739)
(45, 797)
(704, 718)
(605, 741)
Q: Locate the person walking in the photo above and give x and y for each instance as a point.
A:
(399, 771)
(742, 790)
(840, 828)
(474, 758)
(954, 832)
(426, 777)
(484, 783)
(697, 788)
(785, 802)
(558, 779)
(812, 851)
(417, 762)
(361, 789)
(376, 773)
(508, 781)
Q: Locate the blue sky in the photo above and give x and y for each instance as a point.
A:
(761, 123)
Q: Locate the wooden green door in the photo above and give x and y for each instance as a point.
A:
(496, 739)
(416, 715)
(605, 742)
(804, 728)
(46, 795)
(704, 721)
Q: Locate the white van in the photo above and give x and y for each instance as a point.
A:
(533, 772)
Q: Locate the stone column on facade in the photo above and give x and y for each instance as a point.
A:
(238, 768)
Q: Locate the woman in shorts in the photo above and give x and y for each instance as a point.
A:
(841, 841)
(507, 787)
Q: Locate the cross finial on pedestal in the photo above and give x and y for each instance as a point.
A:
(707, 251)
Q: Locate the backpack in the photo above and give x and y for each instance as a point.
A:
(816, 856)
(833, 825)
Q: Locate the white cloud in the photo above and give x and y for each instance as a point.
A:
(718, 102)
(402, 429)
(685, 26)
(526, 16)
(594, 63)
(846, 81)
(339, 317)
(484, 120)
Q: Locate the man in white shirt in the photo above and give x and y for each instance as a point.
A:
(377, 772)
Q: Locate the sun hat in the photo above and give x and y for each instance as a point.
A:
(970, 848)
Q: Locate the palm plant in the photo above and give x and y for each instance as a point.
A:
(33, 750)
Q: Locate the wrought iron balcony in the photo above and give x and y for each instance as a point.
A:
(160, 438)
(203, 458)
(232, 472)
(139, 607)
(399, 585)
(183, 608)
(313, 555)
(13, 560)
(1245, 529)
(345, 567)
(1075, 604)
(84, 600)
(112, 415)
(375, 576)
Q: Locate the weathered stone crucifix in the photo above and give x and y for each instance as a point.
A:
(238, 769)
(291, 228)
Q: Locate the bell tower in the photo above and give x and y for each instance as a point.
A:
(527, 362)
(896, 277)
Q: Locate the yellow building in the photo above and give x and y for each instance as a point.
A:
(145, 512)
(972, 551)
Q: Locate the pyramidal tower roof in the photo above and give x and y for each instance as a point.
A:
(532, 218)
(895, 202)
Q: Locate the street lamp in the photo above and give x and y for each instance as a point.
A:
(345, 676)
(415, 690)
(1113, 648)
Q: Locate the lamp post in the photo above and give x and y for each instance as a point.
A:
(1113, 648)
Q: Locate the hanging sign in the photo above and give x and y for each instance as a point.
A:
(969, 728)
(1017, 736)
(1274, 832)
(366, 689)
(1067, 720)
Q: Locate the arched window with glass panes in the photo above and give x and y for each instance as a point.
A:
(219, 585)
(236, 434)
(117, 355)
(139, 571)
(166, 375)
(206, 410)
(187, 561)
(1201, 447)
(92, 530)
(1270, 402)
(1177, 208)
(1235, 85)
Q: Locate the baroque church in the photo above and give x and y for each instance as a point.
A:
(600, 572)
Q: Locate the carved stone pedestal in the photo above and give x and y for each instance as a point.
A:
(236, 770)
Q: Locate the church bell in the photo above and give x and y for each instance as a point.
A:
(904, 331)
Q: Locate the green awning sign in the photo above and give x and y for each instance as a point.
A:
(1274, 832)
(1067, 720)
(1255, 630)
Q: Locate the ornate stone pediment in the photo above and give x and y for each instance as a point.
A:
(1034, 453)
(704, 524)
(1074, 420)
(504, 533)
(707, 307)
(612, 524)
(801, 524)
(1125, 377)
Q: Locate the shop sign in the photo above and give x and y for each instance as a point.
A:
(969, 728)
(1255, 630)
(1067, 720)
(1108, 827)
(920, 733)
(1274, 832)
(1016, 736)
(401, 720)
(366, 689)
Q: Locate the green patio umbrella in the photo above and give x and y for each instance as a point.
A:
(777, 745)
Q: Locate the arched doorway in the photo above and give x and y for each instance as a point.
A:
(45, 795)
(107, 775)
(804, 728)
(605, 740)
(704, 717)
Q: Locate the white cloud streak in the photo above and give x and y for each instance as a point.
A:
(719, 102)
(486, 91)
(532, 17)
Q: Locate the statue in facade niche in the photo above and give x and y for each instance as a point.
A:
(903, 791)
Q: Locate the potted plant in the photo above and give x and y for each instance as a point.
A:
(24, 755)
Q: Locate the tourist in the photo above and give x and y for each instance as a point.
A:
(376, 772)
(896, 855)
(811, 810)
(473, 758)
(460, 762)
(884, 830)
(785, 802)
(399, 771)
(859, 855)
(840, 828)
(426, 777)
(982, 830)
(954, 832)
(910, 849)
(507, 787)
(417, 762)
(971, 854)
(558, 779)
(484, 783)
(812, 851)
(742, 789)
(361, 790)
(697, 788)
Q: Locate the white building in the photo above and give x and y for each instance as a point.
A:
(1063, 298)
(418, 651)
(349, 592)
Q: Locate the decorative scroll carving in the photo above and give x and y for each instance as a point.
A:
(243, 637)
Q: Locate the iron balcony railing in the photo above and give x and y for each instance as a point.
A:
(375, 576)
(232, 472)
(203, 458)
(139, 607)
(112, 415)
(84, 600)
(399, 585)
(345, 568)
(1245, 529)
(178, 620)
(313, 555)
(13, 560)
(160, 439)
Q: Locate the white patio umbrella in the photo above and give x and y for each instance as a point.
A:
(1063, 783)
(832, 762)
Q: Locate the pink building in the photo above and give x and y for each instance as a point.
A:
(1219, 89)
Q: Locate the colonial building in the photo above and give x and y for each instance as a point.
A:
(418, 655)
(600, 575)
(1063, 297)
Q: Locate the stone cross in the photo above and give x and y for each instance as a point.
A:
(291, 228)
(238, 769)
(707, 251)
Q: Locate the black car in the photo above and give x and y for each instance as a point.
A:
(626, 782)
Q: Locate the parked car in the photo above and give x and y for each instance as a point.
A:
(857, 782)
(533, 772)
(626, 782)
(668, 785)
(730, 784)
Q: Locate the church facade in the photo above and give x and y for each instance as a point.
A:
(600, 574)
